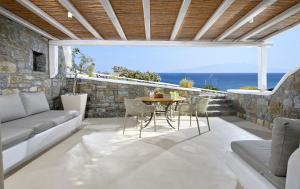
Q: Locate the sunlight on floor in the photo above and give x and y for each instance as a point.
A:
(99, 156)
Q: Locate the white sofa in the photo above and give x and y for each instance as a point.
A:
(269, 164)
(29, 127)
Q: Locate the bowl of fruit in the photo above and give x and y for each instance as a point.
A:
(158, 93)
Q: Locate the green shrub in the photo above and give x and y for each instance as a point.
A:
(249, 88)
(210, 87)
(124, 72)
(186, 83)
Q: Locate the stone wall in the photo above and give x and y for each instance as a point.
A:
(262, 109)
(106, 99)
(17, 44)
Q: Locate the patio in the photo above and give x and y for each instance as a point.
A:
(36, 40)
(99, 156)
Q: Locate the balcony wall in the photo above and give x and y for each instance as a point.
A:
(262, 108)
(17, 44)
(105, 99)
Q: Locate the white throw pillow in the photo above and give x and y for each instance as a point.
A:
(34, 103)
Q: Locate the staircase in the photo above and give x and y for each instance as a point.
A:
(220, 106)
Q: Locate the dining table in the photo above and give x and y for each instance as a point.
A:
(166, 102)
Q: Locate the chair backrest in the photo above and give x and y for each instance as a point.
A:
(134, 106)
(201, 104)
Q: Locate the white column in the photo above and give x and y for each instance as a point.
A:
(53, 60)
(262, 68)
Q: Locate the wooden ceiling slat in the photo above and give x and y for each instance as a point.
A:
(131, 17)
(22, 12)
(235, 12)
(163, 17)
(278, 27)
(95, 14)
(275, 9)
(54, 9)
(197, 15)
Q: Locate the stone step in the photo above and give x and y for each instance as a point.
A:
(219, 101)
(225, 106)
(214, 113)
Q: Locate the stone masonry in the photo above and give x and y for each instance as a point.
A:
(262, 109)
(17, 44)
(105, 99)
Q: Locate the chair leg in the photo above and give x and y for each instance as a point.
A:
(154, 119)
(178, 120)
(124, 123)
(191, 120)
(207, 121)
(198, 123)
(142, 117)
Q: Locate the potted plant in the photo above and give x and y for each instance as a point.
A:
(74, 100)
(186, 83)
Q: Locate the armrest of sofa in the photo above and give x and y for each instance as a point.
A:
(293, 171)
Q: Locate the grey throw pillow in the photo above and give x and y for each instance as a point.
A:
(11, 107)
(34, 103)
(285, 140)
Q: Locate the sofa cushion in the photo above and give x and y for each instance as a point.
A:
(14, 135)
(34, 103)
(56, 116)
(42, 121)
(285, 140)
(19, 130)
(11, 107)
(31, 122)
(257, 154)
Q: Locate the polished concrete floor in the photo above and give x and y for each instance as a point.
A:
(100, 157)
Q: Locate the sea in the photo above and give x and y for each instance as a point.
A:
(222, 81)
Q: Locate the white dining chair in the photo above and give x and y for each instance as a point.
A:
(136, 107)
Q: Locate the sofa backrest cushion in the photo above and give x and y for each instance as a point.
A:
(285, 140)
(34, 103)
(11, 107)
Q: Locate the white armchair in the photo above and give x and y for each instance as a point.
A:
(197, 106)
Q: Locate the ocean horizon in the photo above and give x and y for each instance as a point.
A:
(223, 81)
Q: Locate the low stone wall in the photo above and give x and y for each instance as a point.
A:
(262, 109)
(105, 99)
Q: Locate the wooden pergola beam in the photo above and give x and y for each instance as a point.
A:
(68, 5)
(284, 15)
(147, 23)
(154, 43)
(25, 23)
(39, 12)
(183, 9)
(217, 14)
(113, 17)
(250, 15)
(279, 31)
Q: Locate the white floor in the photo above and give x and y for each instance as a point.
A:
(100, 157)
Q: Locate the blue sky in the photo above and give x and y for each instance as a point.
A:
(283, 56)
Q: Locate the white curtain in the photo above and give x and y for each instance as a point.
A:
(68, 55)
